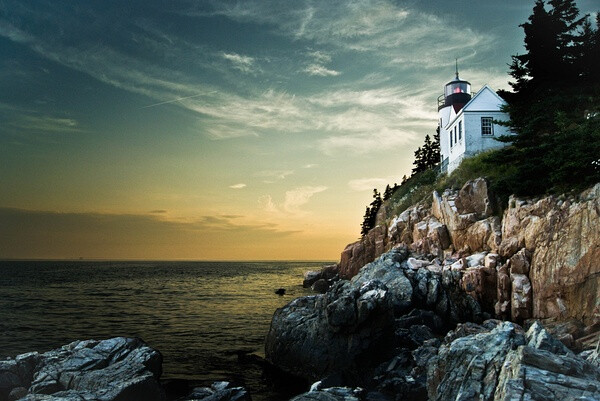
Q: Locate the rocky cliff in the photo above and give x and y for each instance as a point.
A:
(539, 260)
(420, 314)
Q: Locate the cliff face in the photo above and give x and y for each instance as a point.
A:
(540, 260)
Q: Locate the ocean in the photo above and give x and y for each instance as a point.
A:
(199, 315)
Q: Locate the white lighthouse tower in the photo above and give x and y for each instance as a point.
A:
(468, 123)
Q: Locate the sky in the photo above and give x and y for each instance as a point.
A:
(223, 130)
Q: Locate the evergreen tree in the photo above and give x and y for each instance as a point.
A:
(370, 217)
(553, 84)
(387, 193)
(427, 156)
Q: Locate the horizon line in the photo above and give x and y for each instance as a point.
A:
(157, 260)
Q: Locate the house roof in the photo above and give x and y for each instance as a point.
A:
(490, 104)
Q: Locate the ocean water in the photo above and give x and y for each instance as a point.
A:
(199, 315)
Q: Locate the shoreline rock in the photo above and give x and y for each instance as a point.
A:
(115, 369)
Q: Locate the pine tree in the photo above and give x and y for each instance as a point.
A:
(553, 83)
(370, 217)
(427, 156)
(387, 193)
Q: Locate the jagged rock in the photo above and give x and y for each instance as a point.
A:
(483, 235)
(474, 197)
(536, 374)
(401, 228)
(430, 237)
(522, 299)
(538, 337)
(468, 367)
(310, 278)
(476, 259)
(218, 391)
(480, 283)
(321, 286)
(519, 262)
(416, 264)
(421, 317)
(413, 337)
(331, 394)
(467, 216)
(341, 331)
(359, 253)
(564, 241)
(505, 364)
(491, 260)
(504, 289)
(114, 369)
(351, 328)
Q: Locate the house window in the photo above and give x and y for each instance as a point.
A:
(455, 134)
(459, 130)
(486, 126)
(451, 138)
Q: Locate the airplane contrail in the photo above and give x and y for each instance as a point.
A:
(176, 100)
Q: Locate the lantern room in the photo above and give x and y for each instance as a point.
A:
(456, 93)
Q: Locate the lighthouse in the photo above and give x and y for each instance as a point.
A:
(468, 123)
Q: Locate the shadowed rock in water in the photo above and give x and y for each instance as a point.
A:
(352, 328)
(110, 370)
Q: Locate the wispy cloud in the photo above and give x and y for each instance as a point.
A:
(244, 64)
(238, 186)
(362, 143)
(293, 201)
(270, 176)
(298, 197)
(47, 234)
(319, 70)
(379, 26)
(368, 184)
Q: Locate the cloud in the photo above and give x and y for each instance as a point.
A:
(320, 56)
(382, 141)
(390, 30)
(293, 201)
(368, 184)
(272, 175)
(348, 114)
(47, 234)
(319, 70)
(238, 186)
(158, 211)
(298, 197)
(244, 64)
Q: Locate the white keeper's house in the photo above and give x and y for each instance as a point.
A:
(467, 122)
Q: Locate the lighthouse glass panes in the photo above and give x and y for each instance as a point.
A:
(486, 126)
(457, 87)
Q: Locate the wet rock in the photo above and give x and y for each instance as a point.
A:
(310, 278)
(540, 338)
(469, 366)
(529, 373)
(331, 394)
(114, 369)
(321, 286)
(507, 364)
(218, 391)
(352, 328)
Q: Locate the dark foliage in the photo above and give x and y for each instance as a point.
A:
(427, 156)
(370, 216)
(556, 90)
